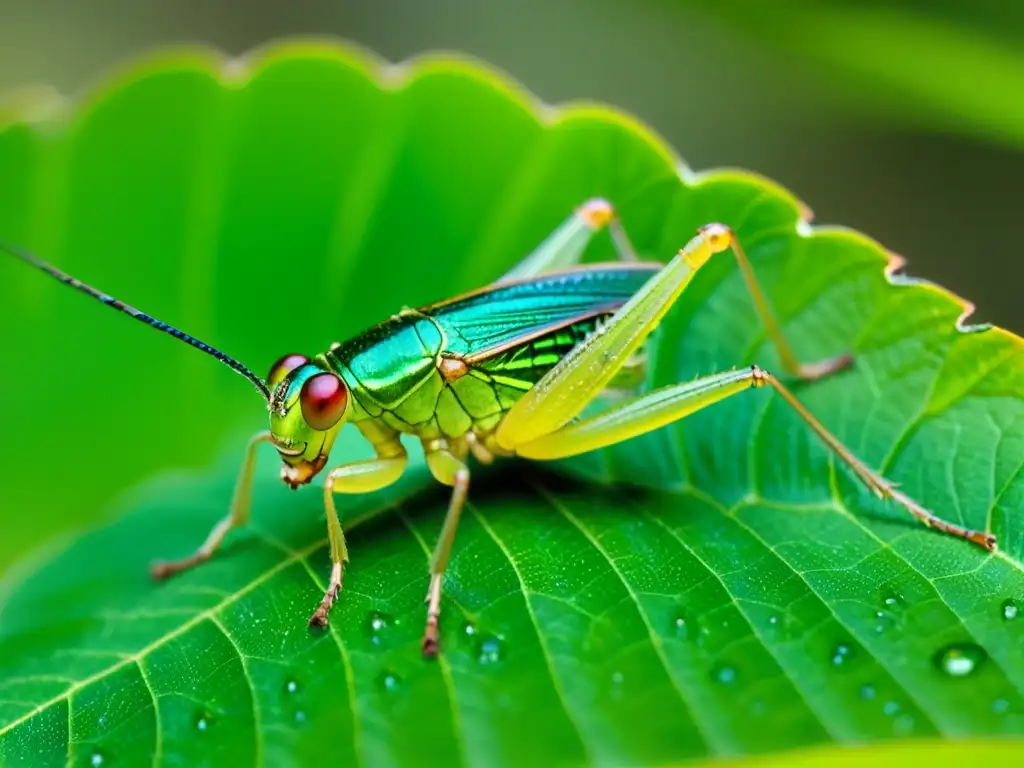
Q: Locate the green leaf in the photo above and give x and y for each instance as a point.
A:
(750, 598)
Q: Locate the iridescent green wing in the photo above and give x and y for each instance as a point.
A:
(516, 331)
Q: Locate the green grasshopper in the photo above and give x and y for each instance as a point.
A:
(505, 370)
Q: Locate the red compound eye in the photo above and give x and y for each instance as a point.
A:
(283, 367)
(323, 400)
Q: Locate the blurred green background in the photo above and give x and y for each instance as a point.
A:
(903, 120)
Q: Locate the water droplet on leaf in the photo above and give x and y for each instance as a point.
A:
(490, 649)
(890, 708)
(960, 659)
(867, 692)
(468, 629)
(681, 628)
(388, 680)
(377, 625)
(883, 621)
(203, 721)
(97, 758)
(1010, 610)
(725, 674)
(291, 686)
(300, 716)
(1000, 706)
(841, 654)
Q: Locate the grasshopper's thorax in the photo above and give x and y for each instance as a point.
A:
(408, 375)
(308, 406)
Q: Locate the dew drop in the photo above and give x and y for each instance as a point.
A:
(841, 654)
(1000, 706)
(291, 686)
(890, 708)
(960, 659)
(725, 674)
(300, 716)
(377, 625)
(1010, 610)
(388, 681)
(468, 629)
(867, 692)
(203, 721)
(96, 759)
(490, 649)
(681, 627)
(773, 620)
(883, 621)
(617, 678)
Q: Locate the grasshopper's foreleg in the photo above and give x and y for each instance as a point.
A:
(237, 516)
(452, 471)
(673, 402)
(358, 477)
(790, 362)
(565, 246)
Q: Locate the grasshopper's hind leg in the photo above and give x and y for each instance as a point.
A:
(451, 470)
(676, 401)
(536, 426)
(565, 246)
(237, 516)
(790, 362)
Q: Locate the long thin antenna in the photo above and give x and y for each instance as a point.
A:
(110, 301)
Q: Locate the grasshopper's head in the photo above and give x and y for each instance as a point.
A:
(308, 405)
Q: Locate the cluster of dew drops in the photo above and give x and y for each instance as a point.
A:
(486, 649)
(955, 660)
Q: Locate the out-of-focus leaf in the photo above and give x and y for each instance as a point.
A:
(945, 66)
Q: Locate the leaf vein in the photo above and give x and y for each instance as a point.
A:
(256, 716)
(739, 607)
(158, 740)
(445, 666)
(655, 641)
(548, 658)
(358, 746)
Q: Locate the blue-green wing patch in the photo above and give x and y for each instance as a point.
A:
(484, 323)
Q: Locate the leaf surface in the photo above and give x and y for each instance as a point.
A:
(748, 596)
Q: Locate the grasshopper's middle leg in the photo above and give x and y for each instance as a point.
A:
(676, 401)
(451, 470)
(358, 477)
(237, 516)
(565, 246)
